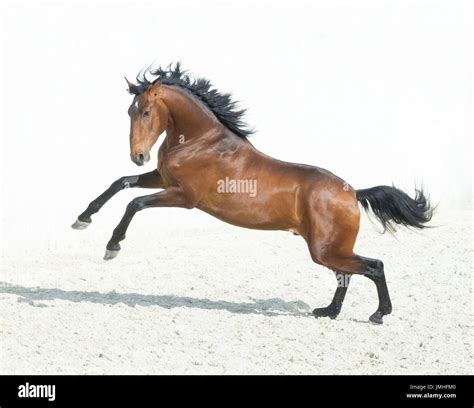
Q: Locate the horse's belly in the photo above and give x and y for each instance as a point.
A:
(275, 212)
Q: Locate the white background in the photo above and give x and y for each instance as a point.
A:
(375, 91)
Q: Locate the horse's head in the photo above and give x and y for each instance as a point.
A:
(148, 120)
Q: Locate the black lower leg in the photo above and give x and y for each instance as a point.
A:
(375, 272)
(119, 231)
(343, 280)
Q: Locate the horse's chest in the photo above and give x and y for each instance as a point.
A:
(167, 173)
(177, 170)
(187, 166)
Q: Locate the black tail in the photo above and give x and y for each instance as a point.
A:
(393, 206)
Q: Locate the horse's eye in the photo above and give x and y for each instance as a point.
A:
(146, 113)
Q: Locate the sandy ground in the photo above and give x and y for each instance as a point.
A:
(228, 300)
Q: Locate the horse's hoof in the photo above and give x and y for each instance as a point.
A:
(80, 225)
(110, 254)
(376, 318)
(325, 312)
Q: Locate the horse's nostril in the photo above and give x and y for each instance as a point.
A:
(139, 159)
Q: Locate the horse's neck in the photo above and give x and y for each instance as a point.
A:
(191, 121)
(188, 117)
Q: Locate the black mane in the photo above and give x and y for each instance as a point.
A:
(221, 104)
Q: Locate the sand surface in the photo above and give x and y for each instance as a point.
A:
(225, 300)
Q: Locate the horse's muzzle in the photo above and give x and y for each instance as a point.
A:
(140, 159)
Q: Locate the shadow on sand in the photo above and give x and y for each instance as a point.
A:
(266, 307)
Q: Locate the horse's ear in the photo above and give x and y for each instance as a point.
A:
(132, 88)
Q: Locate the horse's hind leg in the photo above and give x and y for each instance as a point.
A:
(331, 240)
(334, 307)
(146, 180)
(347, 266)
(375, 272)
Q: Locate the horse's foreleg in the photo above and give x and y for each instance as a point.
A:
(146, 180)
(171, 197)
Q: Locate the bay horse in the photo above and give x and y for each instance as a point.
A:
(207, 142)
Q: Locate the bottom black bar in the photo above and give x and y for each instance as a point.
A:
(228, 390)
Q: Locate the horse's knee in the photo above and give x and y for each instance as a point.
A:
(137, 204)
(124, 182)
